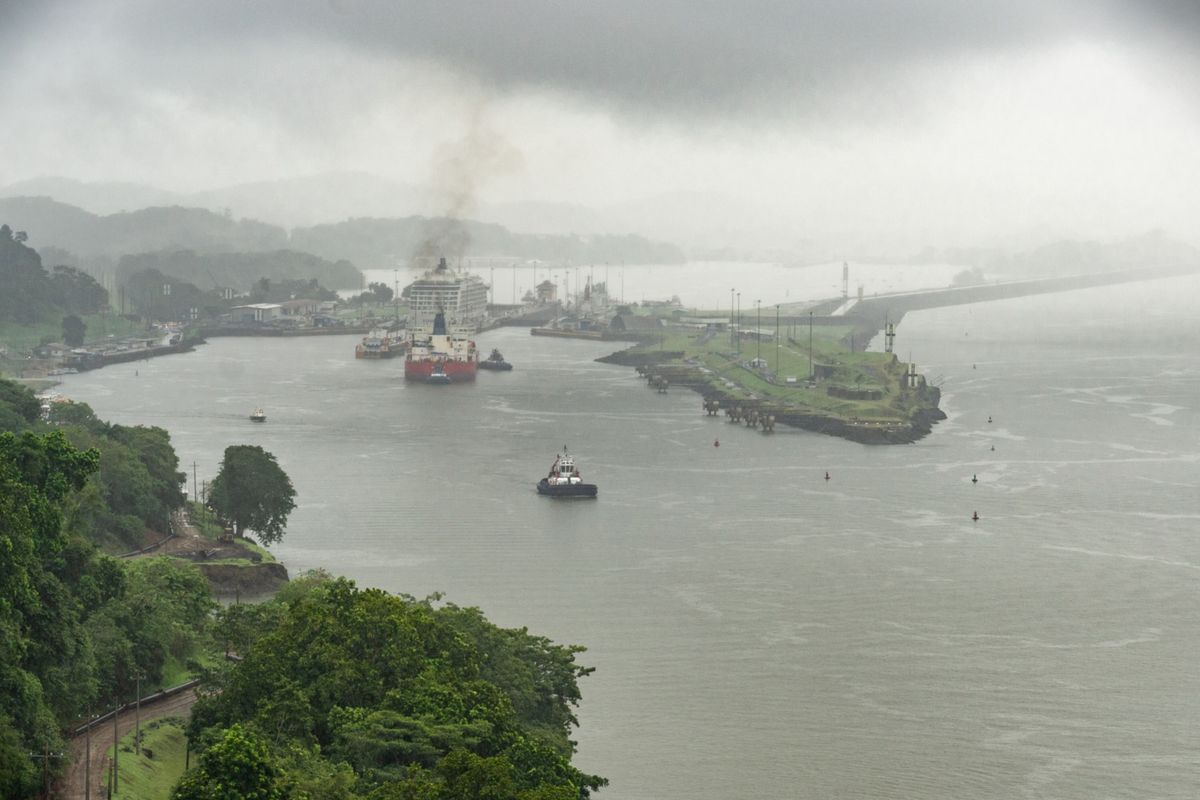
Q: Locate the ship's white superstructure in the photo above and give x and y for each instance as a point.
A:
(461, 296)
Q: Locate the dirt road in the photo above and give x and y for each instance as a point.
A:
(72, 787)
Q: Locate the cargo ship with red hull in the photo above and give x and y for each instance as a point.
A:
(441, 356)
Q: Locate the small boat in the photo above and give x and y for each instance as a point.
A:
(564, 480)
(438, 375)
(258, 415)
(495, 361)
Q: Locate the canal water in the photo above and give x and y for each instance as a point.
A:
(758, 631)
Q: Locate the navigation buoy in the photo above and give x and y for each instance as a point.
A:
(975, 516)
(716, 442)
(972, 366)
(989, 417)
(974, 479)
(826, 476)
(993, 448)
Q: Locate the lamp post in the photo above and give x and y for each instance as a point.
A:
(812, 376)
(777, 341)
(732, 329)
(738, 329)
(758, 330)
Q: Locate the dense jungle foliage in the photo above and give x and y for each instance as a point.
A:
(340, 692)
(34, 294)
(77, 627)
(350, 693)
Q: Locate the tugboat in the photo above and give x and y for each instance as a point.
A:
(258, 415)
(564, 480)
(438, 375)
(495, 361)
(381, 344)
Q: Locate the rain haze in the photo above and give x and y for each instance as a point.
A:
(863, 126)
(549, 400)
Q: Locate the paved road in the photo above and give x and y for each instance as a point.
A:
(72, 787)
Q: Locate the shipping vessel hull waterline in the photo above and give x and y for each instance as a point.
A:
(441, 353)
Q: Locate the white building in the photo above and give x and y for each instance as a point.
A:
(257, 312)
(463, 297)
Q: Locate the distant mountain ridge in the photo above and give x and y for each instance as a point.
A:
(98, 243)
(91, 237)
(288, 203)
(701, 221)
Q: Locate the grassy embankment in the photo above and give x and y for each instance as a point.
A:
(19, 336)
(204, 522)
(152, 774)
(790, 359)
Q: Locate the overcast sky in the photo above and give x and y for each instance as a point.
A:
(903, 122)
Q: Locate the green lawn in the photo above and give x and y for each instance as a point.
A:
(152, 774)
(790, 357)
(16, 336)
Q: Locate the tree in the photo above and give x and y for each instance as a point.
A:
(73, 330)
(253, 492)
(237, 767)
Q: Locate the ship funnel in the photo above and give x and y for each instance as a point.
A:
(442, 265)
(439, 321)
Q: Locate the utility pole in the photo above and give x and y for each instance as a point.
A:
(137, 719)
(738, 332)
(116, 743)
(45, 756)
(195, 488)
(732, 328)
(87, 757)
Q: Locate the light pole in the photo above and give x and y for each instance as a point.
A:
(758, 330)
(396, 293)
(777, 341)
(738, 329)
(732, 329)
(812, 376)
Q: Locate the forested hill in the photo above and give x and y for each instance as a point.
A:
(340, 693)
(241, 271)
(98, 242)
(382, 243)
(89, 236)
(29, 293)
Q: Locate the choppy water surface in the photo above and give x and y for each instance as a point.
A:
(758, 631)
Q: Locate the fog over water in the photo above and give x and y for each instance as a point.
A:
(856, 127)
(757, 630)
